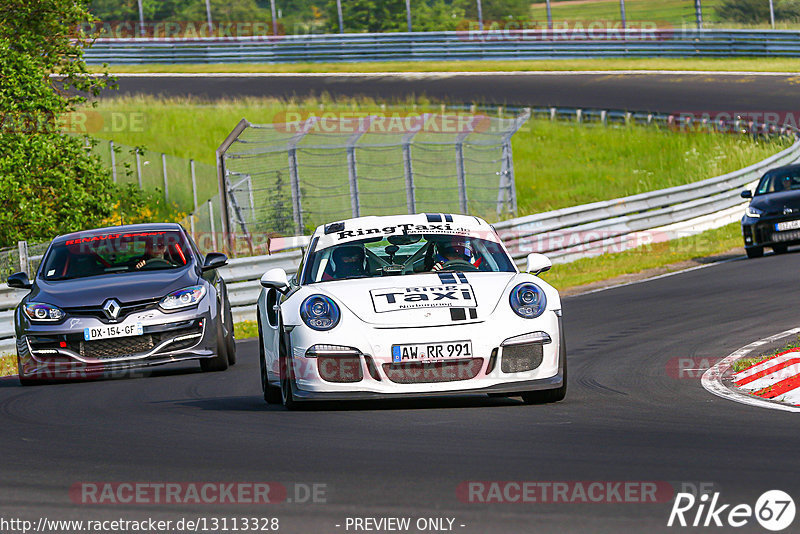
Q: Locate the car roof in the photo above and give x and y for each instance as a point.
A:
(127, 228)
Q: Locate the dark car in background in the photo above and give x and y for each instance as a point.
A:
(773, 217)
(119, 298)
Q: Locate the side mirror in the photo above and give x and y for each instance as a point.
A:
(214, 260)
(747, 194)
(538, 263)
(275, 279)
(19, 281)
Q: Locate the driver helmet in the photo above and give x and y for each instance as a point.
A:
(456, 249)
(348, 261)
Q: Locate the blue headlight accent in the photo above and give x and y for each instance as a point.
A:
(43, 313)
(319, 312)
(528, 300)
(183, 298)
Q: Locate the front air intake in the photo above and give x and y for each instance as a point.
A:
(522, 357)
(342, 369)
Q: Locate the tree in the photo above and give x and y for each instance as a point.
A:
(757, 11)
(367, 15)
(496, 10)
(49, 183)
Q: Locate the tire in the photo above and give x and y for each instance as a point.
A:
(272, 395)
(286, 389)
(545, 396)
(220, 361)
(24, 380)
(780, 249)
(754, 252)
(230, 339)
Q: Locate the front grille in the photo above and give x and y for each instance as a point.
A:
(340, 368)
(523, 357)
(792, 235)
(430, 372)
(121, 347)
(125, 347)
(126, 308)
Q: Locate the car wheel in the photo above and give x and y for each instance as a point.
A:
(272, 394)
(754, 252)
(24, 380)
(780, 249)
(545, 396)
(287, 395)
(230, 339)
(220, 361)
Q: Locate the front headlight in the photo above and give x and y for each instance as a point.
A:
(528, 300)
(319, 312)
(753, 212)
(43, 313)
(183, 298)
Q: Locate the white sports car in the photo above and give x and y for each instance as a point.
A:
(410, 305)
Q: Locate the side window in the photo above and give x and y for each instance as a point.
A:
(272, 315)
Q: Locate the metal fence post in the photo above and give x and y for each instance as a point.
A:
(221, 181)
(408, 169)
(24, 264)
(164, 172)
(113, 161)
(211, 220)
(194, 197)
(352, 172)
(294, 177)
(461, 174)
(139, 167)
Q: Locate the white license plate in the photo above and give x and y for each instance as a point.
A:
(112, 330)
(431, 351)
(787, 225)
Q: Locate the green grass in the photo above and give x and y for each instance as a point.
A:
(670, 13)
(245, 329)
(8, 364)
(744, 363)
(587, 270)
(690, 64)
(556, 164)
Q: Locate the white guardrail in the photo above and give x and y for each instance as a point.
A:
(564, 235)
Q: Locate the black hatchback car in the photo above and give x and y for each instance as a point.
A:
(119, 298)
(773, 217)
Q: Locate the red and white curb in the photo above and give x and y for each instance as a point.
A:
(773, 383)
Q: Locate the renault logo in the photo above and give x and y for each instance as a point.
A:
(112, 308)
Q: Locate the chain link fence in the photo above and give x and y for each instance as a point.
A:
(286, 178)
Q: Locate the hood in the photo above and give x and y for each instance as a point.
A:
(421, 299)
(776, 202)
(125, 287)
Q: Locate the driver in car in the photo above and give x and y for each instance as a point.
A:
(348, 262)
(457, 249)
(153, 251)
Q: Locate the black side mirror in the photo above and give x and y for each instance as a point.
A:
(214, 260)
(747, 194)
(19, 281)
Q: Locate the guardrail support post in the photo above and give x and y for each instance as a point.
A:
(164, 172)
(113, 161)
(139, 166)
(24, 264)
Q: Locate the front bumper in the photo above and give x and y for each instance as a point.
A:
(373, 376)
(761, 232)
(60, 351)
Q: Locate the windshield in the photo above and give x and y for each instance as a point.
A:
(783, 180)
(406, 254)
(98, 254)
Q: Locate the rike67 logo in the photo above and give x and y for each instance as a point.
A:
(774, 510)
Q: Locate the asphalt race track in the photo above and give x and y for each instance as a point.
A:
(668, 93)
(625, 419)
